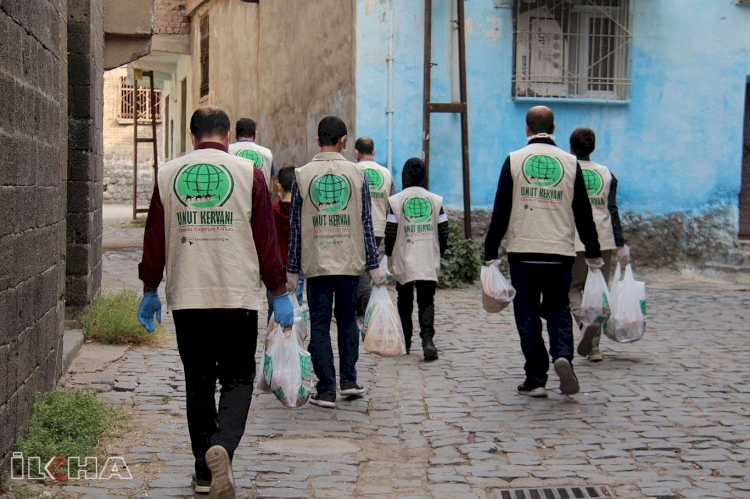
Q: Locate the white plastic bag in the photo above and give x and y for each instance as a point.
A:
(595, 307)
(384, 335)
(301, 317)
(497, 292)
(389, 279)
(628, 320)
(287, 367)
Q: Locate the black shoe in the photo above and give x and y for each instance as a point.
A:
(200, 485)
(351, 388)
(428, 348)
(568, 379)
(325, 399)
(532, 390)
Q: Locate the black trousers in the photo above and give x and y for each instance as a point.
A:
(542, 293)
(425, 304)
(217, 344)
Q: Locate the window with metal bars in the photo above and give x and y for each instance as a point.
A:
(127, 102)
(573, 49)
(205, 35)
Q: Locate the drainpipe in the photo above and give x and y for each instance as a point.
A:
(389, 104)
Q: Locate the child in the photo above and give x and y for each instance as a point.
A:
(601, 187)
(416, 237)
(281, 218)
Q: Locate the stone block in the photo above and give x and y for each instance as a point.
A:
(78, 291)
(82, 165)
(80, 133)
(78, 261)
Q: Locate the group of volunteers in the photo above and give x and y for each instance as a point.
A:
(213, 228)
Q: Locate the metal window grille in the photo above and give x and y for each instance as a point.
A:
(127, 102)
(576, 49)
(205, 32)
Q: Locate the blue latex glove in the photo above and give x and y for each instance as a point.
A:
(150, 305)
(283, 310)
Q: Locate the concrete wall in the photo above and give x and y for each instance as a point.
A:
(286, 85)
(675, 147)
(33, 141)
(85, 156)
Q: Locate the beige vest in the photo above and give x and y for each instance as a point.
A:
(333, 241)
(211, 257)
(542, 220)
(416, 254)
(259, 155)
(598, 181)
(380, 182)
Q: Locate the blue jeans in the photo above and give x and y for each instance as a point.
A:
(297, 293)
(542, 293)
(322, 294)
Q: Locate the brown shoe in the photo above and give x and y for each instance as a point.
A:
(222, 479)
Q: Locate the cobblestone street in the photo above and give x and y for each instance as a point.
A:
(663, 417)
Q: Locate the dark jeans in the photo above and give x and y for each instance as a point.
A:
(323, 295)
(425, 304)
(552, 282)
(217, 344)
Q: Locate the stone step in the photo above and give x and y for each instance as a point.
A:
(728, 268)
(739, 256)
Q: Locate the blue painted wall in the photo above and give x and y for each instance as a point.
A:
(675, 148)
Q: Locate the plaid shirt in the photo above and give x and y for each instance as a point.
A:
(295, 230)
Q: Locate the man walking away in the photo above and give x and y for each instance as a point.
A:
(541, 199)
(331, 240)
(381, 187)
(245, 147)
(416, 238)
(601, 186)
(208, 226)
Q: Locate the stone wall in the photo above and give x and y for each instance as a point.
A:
(33, 141)
(656, 241)
(85, 155)
(118, 148)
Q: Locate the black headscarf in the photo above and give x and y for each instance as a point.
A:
(414, 173)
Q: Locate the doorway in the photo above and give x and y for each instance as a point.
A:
(745, 189)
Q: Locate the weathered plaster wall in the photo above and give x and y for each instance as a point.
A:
(233, 59)
(306, 73)
(675, 147)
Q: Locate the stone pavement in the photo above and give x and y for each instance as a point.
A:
(663, 417)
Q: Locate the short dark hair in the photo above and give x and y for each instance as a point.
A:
(365, 145)
(330, 130)
(286, 177)
(540, 119)
(209, 121)
(245, 128)
(582, 142)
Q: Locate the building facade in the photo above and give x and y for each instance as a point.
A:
(664, 84)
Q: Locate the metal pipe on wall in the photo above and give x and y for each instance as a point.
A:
(389, 105)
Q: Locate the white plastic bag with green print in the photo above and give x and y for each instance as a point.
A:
(595, 307)
(301, 317)
(384, 335)
(628, 321)
(287, 367)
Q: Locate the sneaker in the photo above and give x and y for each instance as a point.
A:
(325, 399)
(587, 342)
(351, 388)
(532, 390)
(222, 479)
(201, 486)
(568, 380)
(596, 355)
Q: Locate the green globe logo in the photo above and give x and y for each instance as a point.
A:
(543, 171)
(253, 156)
(374, 179)
(203, 185)
(417, 210)
(594, 182)
(330, 193)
